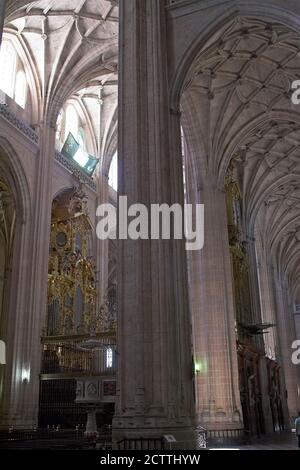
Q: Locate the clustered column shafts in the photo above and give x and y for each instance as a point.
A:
(217, 383)
(286, 337)
(155, 363)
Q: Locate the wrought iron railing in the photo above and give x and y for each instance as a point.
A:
(54, 438)
(40, 434)
(71, 166)
(239, 435)
(151, 443)
(64, 356)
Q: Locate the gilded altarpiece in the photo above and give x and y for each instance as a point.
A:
(73, 324)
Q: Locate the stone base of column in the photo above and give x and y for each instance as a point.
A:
(223, 428)
(17, 423)
(219, 419)
(290, 421)
(91, 424)
(148, 433)
(220, 434)
(13, 417)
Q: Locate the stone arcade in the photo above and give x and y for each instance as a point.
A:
(187, 101)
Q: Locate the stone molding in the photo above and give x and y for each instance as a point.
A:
(75, 169)
(11, 117)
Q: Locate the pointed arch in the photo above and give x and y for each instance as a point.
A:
(11, 167)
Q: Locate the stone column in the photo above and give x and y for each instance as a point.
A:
(154, 353)
(102, 246)
(2, 15)
(28, 303)
(15, 308)
(39, 269)
(267, 300)
(91, 424)
(217, 384)
(265, 398)
(256, 314)
(286, 336)
(267, 316)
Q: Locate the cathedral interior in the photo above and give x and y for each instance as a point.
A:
(165, 102)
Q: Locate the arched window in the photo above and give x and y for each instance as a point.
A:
(113, 173)
(81, 138)
(20, 89)
(8, 65)
(109, 358)
(59, 123)
(72, 122)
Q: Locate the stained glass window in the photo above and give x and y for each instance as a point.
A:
(113, 173)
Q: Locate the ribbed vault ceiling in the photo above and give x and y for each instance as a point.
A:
(72, 45)
(237, 101)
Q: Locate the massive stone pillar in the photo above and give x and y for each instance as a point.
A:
(28, 300)
(39, 269)
(217, 384)
(154, 354)
(286, 336)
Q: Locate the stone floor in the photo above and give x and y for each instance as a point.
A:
(283, 441)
